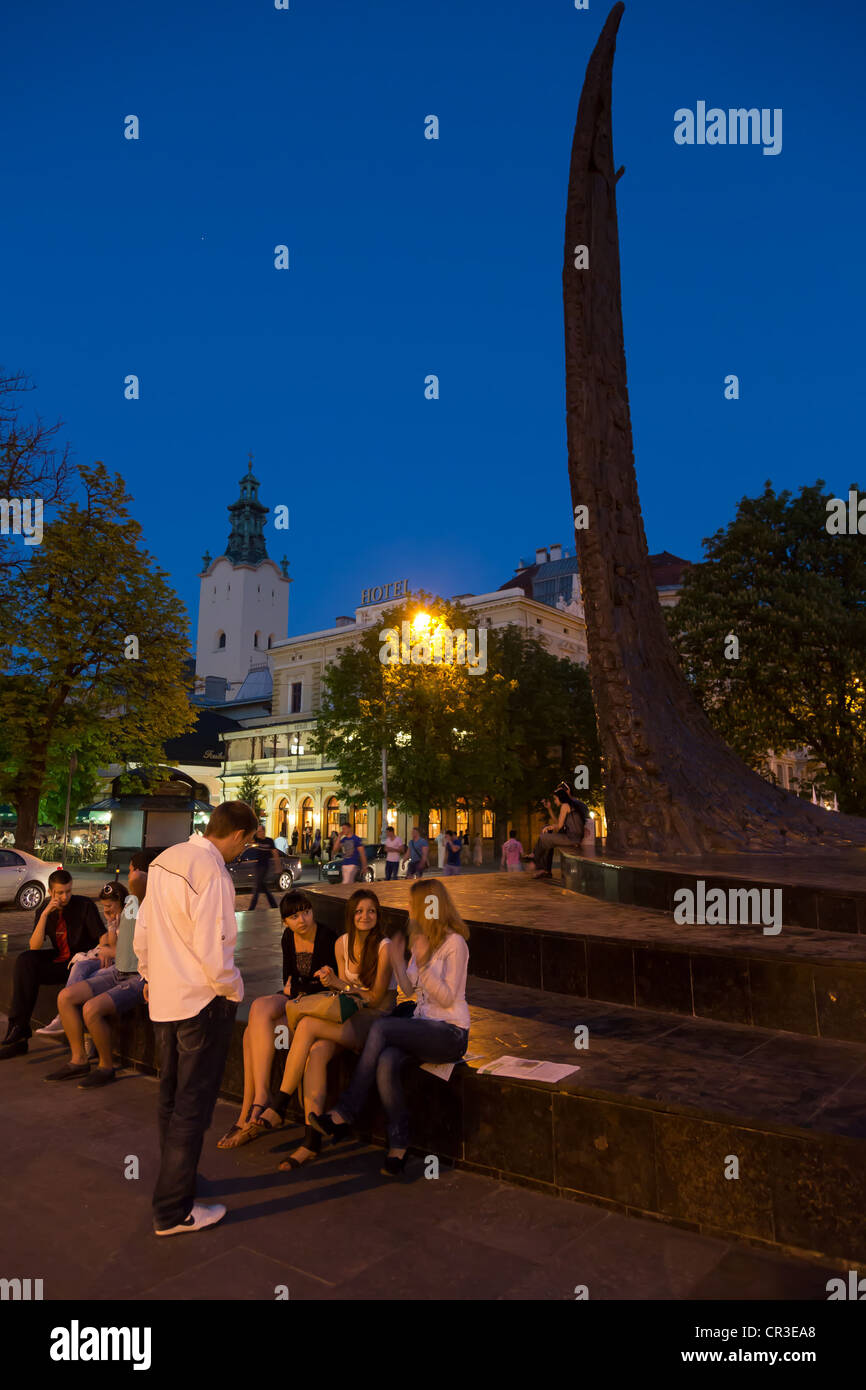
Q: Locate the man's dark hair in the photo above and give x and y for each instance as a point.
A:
(229, 817)
(139, 861)
(294, 902)
(59, 876)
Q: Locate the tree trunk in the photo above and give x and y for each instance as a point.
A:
(672, 785)
(27, 808)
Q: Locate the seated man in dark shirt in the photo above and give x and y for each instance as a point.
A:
(72, 924)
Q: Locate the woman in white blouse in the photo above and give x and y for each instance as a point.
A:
(438, 1031)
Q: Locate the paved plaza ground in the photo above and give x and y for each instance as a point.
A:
(71, 1217)
(336, 1231)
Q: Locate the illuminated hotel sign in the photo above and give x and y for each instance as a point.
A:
(398, 588)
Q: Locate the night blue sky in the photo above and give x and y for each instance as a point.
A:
(410, 256)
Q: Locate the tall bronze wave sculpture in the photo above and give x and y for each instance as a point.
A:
(672, 785)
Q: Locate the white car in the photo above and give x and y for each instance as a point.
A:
(24, 878)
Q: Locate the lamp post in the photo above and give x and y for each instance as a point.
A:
(384, 790)
(73, 767)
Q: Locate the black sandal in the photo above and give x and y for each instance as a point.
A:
(312, 1140)
(325, 1125)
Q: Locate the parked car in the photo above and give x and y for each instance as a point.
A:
(243, 871)
(376, 859)
(24, 878)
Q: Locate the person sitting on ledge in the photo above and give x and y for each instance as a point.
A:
(86, 963)
(567, 829)
(91, 1004)
(364, 972)
(438, 1031)
(72, 923)
(307, 949)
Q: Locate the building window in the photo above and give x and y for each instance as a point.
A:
(296, 747)
(295, 707)
(332, 815)
(256, 639)
(221, 641)
(487, 825)
(434, 824)
(270, 641)
(462, 818)
(360, 821)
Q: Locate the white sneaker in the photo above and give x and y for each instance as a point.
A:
(50, 1029)
(199, 1217)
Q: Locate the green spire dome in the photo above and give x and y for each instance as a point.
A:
(246, 541)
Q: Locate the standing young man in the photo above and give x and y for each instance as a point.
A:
(185, 935)
(394, 848)
(71, 923)
(354, 858)
(417, 850)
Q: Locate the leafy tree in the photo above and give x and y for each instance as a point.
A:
(502, 734)
(250, 790)
(420, 713)
(534, 725)
(95, 659)
(794, 597)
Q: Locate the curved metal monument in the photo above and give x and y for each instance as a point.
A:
(672, 785)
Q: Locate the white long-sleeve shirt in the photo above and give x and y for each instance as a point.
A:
(185, 931)
(440, 985)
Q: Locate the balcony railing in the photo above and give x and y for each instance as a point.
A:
(305, 762)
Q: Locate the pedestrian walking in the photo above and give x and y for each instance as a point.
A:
(266, 856)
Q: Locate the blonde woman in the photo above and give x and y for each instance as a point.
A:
(438, 1031)
(365, 973)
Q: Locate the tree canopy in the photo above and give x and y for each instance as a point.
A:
(500, 735)
(794, 597)
(94, 647)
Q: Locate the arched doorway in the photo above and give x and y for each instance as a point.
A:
(305, 819)
(332, 817)
(434, 823)
(282, 819)
(462, 826)
(359, 815)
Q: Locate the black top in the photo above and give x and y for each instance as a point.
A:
(84, 926)
(323, 954)
(261, 851)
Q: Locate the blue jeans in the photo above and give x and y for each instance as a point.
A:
(192, 1056)
(392, 870)
(390, 1042)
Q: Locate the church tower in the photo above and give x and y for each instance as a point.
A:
(243, 605)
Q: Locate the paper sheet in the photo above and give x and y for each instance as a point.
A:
(527, 1068)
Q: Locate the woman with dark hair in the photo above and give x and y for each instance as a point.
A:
(364, 973)
(307, 949)
(567, 829)
(437, 1031)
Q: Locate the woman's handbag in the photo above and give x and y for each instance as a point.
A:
(335, 1005)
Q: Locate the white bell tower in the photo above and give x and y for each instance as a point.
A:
(243, 604)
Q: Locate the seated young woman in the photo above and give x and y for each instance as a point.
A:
(567, 829)
(307, 950)
(364, 971)
(438, 1031)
